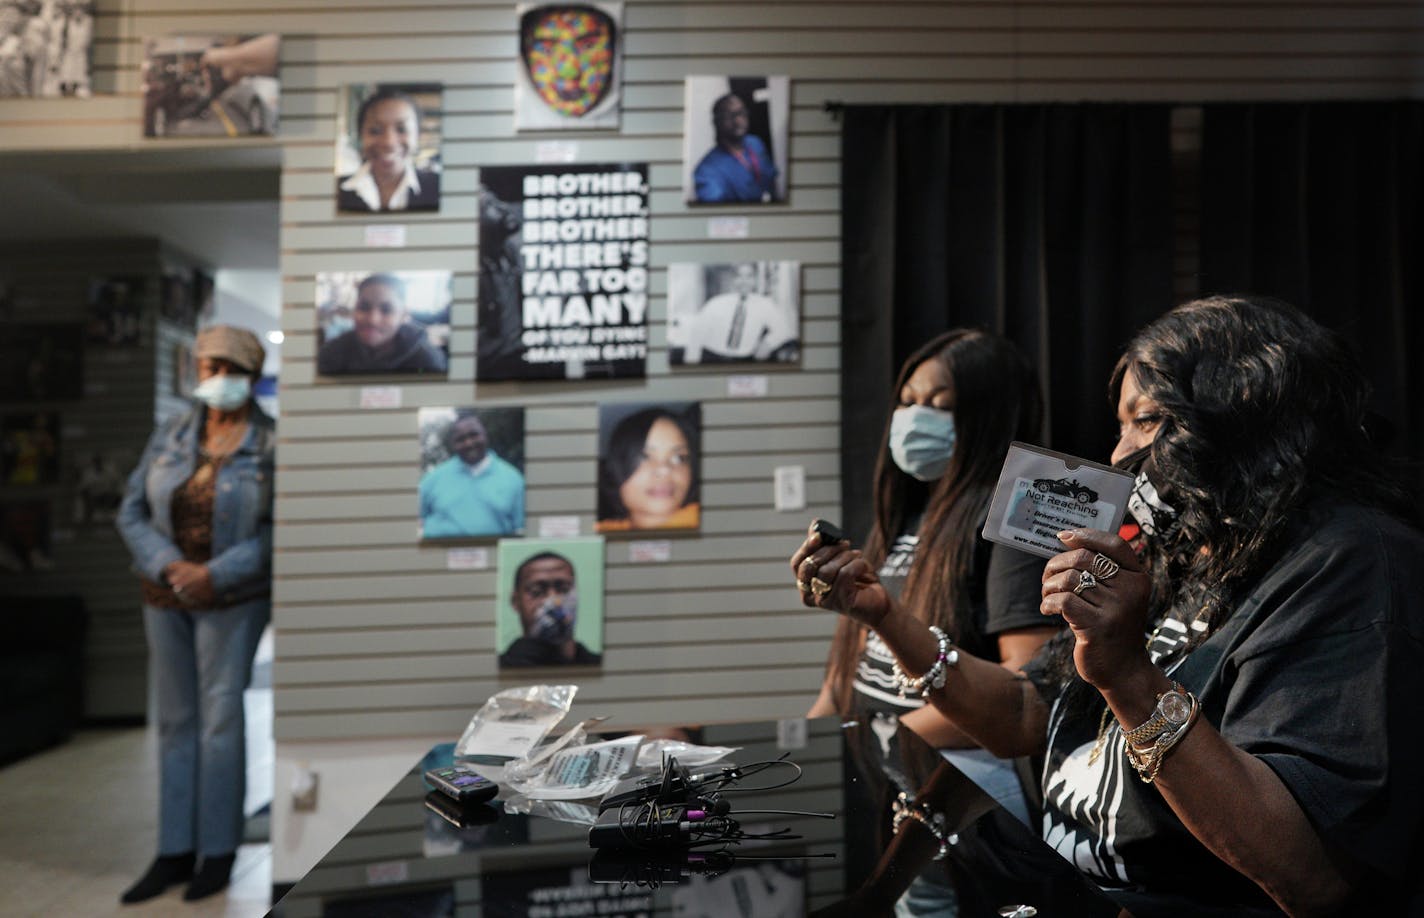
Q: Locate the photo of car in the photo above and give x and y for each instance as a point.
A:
(1068, 487)
(185, 94)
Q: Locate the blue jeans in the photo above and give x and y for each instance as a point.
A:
(200, 663)
(995, 777)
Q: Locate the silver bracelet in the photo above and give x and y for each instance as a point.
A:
(904, 808)
(934, 677)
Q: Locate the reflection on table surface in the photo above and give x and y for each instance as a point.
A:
(415, 855)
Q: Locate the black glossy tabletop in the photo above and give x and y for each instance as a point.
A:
(406, 859)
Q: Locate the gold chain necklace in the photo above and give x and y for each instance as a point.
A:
(1102, 739)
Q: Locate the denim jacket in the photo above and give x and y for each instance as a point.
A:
(241, 566)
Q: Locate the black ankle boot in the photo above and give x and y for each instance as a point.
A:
(212, 876)
(165, 871)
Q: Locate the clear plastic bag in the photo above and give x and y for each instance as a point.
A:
(513, 722)
(655, 752)
(581, 772)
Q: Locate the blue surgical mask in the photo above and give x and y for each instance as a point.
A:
(555, 622)
(922, 440)
(223, 392)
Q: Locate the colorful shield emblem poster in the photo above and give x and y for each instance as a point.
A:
(570, 66)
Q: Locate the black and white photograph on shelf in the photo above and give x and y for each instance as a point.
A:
(175, 299)
(115, 310)
(41, 362)
(211, 85)
(549, 603)
(382, 322)
(388, 147)
(743, 312)
(99, 486)
(563, 285)
(29, 448)
(185, 370)
(25, 545)
(46, 47)
(471, 472)
(205, 303)
(649, 466)
(570, 73)
(734, 139)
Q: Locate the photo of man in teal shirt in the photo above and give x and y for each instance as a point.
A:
(475, 491)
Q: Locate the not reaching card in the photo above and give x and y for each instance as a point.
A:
(1041, 493)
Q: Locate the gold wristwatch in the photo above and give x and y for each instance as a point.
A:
(1174, 708)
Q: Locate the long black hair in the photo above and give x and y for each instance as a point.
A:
(625, 454)
(1263, 409)
(996, 400)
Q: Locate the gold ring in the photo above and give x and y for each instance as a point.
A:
(803, 586)
(819, 586)
(1086, 581)
(1104, 568)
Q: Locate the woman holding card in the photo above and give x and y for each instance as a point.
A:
(960, 400)
(1251, 753)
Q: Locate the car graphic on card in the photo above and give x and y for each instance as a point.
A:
(1067, 487)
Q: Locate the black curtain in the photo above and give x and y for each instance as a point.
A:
(1049, 224)
(1320, 204)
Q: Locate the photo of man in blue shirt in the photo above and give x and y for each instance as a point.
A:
(738, 168)
(474, 492)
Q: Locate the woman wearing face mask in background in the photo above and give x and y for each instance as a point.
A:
(961, 399)
(197, 519)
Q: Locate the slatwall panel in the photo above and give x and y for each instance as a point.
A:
(375, 638)
(125, 389)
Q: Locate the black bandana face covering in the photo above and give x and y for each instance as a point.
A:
(1155, 517)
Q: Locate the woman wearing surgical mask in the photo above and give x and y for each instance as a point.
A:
(960, 400)
(197, 519)
(1229, 724)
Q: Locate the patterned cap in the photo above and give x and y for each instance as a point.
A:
(236, 345)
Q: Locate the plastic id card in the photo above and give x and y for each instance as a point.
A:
(1041, 493)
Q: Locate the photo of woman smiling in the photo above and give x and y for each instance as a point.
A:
(648, 462)
(388, 159)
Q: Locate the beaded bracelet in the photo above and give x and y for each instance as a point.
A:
(934, 677)
(904, 808)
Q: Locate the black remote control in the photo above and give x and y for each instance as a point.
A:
(460, 783)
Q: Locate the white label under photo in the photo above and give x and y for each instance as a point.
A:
(748, 386)
(380, 396)
(556, 151)
(385, 236)
(1041, 493)
(728, 227)
(558, 527)
(652, 551)
(467, 559)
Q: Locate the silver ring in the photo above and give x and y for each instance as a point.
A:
(1086, 581)
(177, 588)
(1104, 568)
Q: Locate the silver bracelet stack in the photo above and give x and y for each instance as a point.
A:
(934, 677)
(904, 808)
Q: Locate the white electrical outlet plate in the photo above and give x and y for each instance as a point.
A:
(790, 487)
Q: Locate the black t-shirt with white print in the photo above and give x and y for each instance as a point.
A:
(1004, 592)
(1318, 673)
